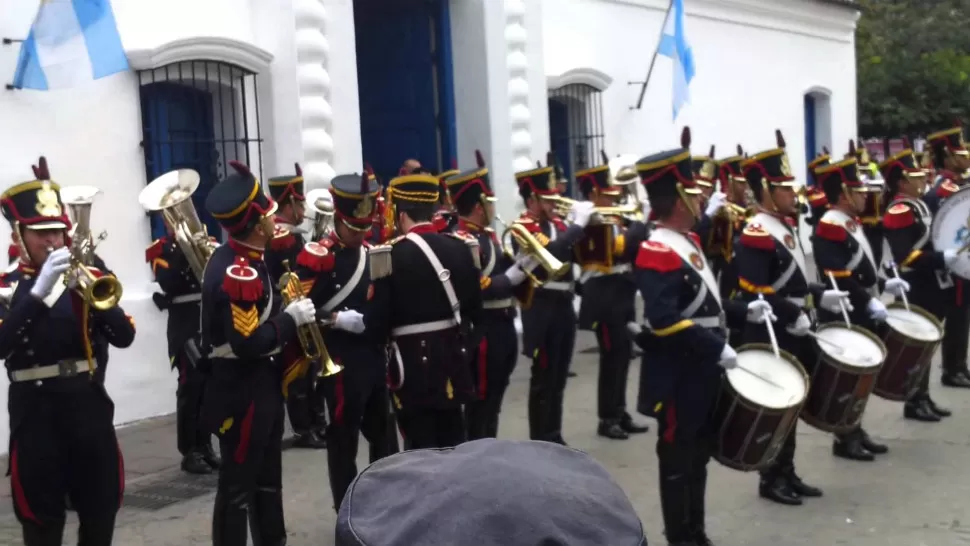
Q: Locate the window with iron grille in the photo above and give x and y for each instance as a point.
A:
(576, 127)
(199, 115)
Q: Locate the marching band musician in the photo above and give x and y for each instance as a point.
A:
(951, 160)
(549, 320)
(243, 330)
(705, 169)
(304, 408)
(817, 203)
(771, 265)
(63, 445)
(727, 222)
(502, 280)
(685, 343)
(446, 218)
(871, 215)
(842, 250)
(335, 276)
(181, 295)
(427, 301)
(907, 224)
(605, 255)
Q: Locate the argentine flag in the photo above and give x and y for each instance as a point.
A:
(673, 44)
(71, 42)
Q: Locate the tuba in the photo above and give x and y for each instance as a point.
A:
(171, 194)
(101, 293)
(529, 245)
(310, 336)
(321, 203)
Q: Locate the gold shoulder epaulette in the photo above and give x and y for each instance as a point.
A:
(380, 260)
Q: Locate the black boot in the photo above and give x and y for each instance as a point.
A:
(870, 444)
(939, 410)
(194, 463)
(918, 409)
(267, 518)
(674, 500)
(538, 408)
(850, 447)
(959, 379)
(51, 534)
(308, 440)
(209, 454)
(230, 517)
(630, 426)
(698, 496)
(775, 487)
(612, 430)
(800, 487)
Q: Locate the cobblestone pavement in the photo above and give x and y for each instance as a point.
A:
(914, 496)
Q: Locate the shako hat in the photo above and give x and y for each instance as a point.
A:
(472, 186)
(597, 178)
(283, 187)
(729, 169)
(35, 204)
(355, 199)
(705, 169)
(238, 201)
(769, 168)
(540, 181)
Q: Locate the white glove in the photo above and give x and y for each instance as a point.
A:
(758, 309)
(831, 298)
(581, 212)
(950, 255)
(801, 326)
(877, 310)
(302, 311)
(527, 262)
(729, 358)
(897, 286)
(515, 274)
(57, 262)
(350, 321)
(714, 203)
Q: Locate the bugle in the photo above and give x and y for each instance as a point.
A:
(101, 293)
(531, 246)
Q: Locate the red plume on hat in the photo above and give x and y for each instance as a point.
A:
(851, 147)
(825, 150)
(368, 169)
(41, 172)
(479, 159)
(740, 150)
(712, 152)
(454, 163)
(606, 158)
(906, 143)
(299, 171)
(779, 138)
(240, 167)
(685, 137)
(364, 182)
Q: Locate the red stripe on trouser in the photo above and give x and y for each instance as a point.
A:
(606, 338)
(19, 497)
(543, 359)
(338, 391)
(121, 474)
(671, 419)
(247, 428)
(482, 360)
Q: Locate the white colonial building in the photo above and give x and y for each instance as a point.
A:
(334, 83)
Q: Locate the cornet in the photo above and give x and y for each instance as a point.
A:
(565, 204)
(310, 336)
(530, 246)
(101, 293)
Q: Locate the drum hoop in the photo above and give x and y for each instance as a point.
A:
(921, 312)
(853, 370)
(785, 355)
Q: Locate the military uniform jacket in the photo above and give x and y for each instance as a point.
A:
(556, 296)
(337, 278)
(285, 245)
(606, 255)
(841, 248)
(431, 337)
(498, 294)
(907, 229)
(243, 330)
(36, 335)
(686, 321)
(182, 292)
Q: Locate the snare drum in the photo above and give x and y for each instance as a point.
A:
(849, 359)
(757, 407)
(911, 339)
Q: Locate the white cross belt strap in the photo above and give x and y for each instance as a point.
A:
(780, 232)
(443, 274)
(352, 283)
(492, 251)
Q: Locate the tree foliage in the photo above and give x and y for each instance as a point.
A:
(913, 60)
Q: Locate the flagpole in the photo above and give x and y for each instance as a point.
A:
(656, 51)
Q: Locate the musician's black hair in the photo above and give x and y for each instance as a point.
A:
(465, 207)
(418, 212)
(832, 186)
(662, 206)
(938, 151)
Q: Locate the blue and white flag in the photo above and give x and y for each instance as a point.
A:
(71, 42)
(673, 44)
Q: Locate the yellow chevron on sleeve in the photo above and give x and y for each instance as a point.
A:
(244, 321)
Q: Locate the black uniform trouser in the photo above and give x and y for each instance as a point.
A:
(304, 402)
(66, 448)
(358, 405)
(493, 367)
(188, 406)
(251, 478)
(937, 303)
(550, 368)
(616, 349)
(683, 459)
(956, 329)
(424, 427)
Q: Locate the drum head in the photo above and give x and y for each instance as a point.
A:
(768, 380)
(850, 347)
(913, 325)
(951, 228)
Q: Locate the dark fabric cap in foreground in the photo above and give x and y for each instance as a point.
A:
(488, 493)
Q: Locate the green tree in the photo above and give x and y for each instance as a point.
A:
(913, 61)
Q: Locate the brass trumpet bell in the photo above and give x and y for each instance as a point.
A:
(101, 293)
(529, 245)
(309, 335)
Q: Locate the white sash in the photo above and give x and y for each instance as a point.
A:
(352, 283)
(443, 274)
(487, 270)
(842, 219)
(777, 228)
(685, 248)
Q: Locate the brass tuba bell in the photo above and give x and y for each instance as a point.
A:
(321, 203)
(101, 293)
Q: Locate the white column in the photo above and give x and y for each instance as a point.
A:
(316, 112)
(516, 38)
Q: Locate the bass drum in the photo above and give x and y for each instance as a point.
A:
(951, 229)
(757, 407)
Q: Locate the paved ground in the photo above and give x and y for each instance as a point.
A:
(915, 496)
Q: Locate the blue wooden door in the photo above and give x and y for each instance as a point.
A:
(178, 127)
(405, 85)
(559, 139)
(811, 147)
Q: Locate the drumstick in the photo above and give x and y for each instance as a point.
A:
(761, 377)
(845, 312)
(771, 329)
(839, 350)
(896, 272)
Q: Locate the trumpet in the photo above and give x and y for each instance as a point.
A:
(310, 336)
(101, 293)
(626, 210)
(321, 203)
(529, 245)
